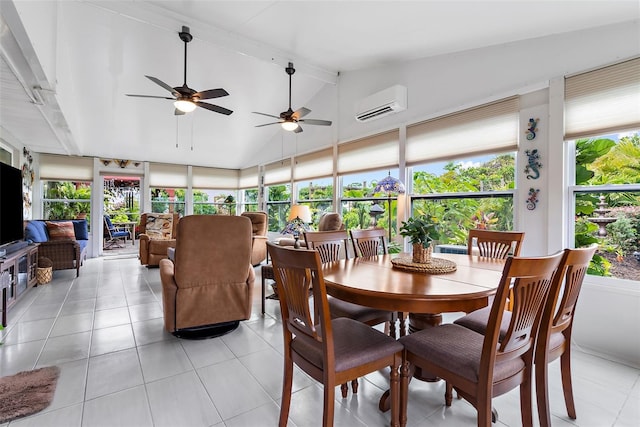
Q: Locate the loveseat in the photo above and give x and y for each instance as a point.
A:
(64, 242)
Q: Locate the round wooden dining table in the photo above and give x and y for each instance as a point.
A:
(375, 282)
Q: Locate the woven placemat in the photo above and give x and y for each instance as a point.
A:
(436, 266)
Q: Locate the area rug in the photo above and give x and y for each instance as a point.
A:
(27, 392)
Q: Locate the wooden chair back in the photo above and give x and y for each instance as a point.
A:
(297, 274)
(367, 243)
(309, 334)
(530, 280)
(329, 244)
(495, 244)
(558, 319)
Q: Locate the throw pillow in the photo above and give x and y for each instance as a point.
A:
(62, 230)
(159, 226)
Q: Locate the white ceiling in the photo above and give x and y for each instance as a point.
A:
(103, 49)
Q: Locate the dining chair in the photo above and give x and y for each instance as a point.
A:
(480, 367)
(495, 244)
(368, 243)
(332, 351)
(330, 246)
(554, 338)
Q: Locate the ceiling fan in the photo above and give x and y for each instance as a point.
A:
(290, 120)
(187, 99)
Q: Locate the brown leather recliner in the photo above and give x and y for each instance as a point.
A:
(208, 289)
(153, 250)
(259, 225)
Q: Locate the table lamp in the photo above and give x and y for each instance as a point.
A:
(299, 217)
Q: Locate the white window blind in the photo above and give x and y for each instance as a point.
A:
(603, 100)
(214, 178)
(314, 165)
(163, 175)
(488, 128)
(374, 152)
(68, 168)
(278, 172)
(248, 178)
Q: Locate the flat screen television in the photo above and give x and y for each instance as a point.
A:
(11, 224)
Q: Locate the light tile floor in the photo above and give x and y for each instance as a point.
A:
(119, 368)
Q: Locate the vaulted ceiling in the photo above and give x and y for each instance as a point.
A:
(66, 66)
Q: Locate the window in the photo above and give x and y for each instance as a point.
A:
(278, 205)
(606, 202)
(475, 192)
(66, 199)
(168, 200)
(602, 125)
(318, 195)
(361, 207)
(249, 200)
(277, 176)
(212, 202)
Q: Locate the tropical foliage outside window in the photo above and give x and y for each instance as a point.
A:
(465, 194)
(278, 205)
(607, 203)
(359, 197)
(122, 199)
(250, 200)
(318, 195)
(168, 200)
(67, 199)
(214, 202)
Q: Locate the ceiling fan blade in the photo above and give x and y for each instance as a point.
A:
(150, 96)
(316, 122)
(211, 93)
(164, 85)
(265, 114)
(267, 124)
(178, 112)
(298, 129)
(215, 108)
(300, 112)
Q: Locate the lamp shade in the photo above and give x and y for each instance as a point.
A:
(301, 212)
(389, 185)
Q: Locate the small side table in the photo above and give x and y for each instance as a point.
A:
(266, 273)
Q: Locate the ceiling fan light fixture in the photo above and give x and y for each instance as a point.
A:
(289, 125)
(184, 105)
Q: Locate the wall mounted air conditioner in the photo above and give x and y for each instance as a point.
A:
(383, 103)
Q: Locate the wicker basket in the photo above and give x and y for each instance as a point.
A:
(43, 275)
(421, 255)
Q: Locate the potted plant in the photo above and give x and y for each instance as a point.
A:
(421, 233)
